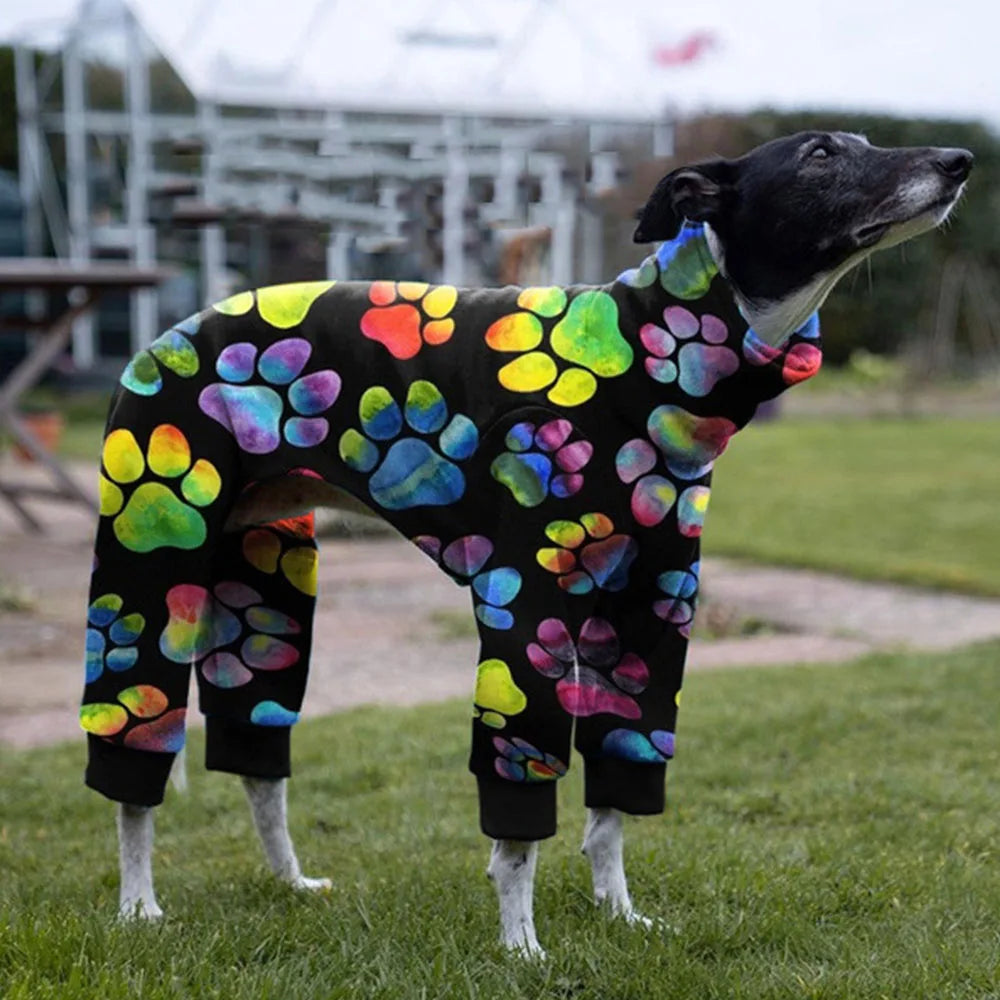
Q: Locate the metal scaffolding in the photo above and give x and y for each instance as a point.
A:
(118, 153)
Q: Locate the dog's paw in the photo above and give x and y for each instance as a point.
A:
(414, 472)
(139, 909)
(302, 883)
(524, 946)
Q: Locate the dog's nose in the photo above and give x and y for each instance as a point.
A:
(954, 163)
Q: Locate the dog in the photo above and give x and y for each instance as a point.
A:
(550, 447)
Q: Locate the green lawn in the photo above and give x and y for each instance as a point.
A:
(831, 833)
(917, 501)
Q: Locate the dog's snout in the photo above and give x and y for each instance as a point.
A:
(954, 163)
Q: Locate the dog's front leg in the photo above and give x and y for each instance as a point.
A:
(136, 898)
(270, 816)
(603, 843)
(512, 871)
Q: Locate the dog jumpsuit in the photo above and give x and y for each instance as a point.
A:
(550, 447)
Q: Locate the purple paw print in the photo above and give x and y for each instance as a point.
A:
(260, 415)
(585, 690)
(698, 365)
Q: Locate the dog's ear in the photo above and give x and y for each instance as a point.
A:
(697, 193)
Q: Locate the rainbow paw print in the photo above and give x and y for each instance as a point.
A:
(106, 623)
(497, 696)
(272, 551)
(798, 362)
(171, 350)
(603, 559)
(156, 729)
(413, 473)
(396, 321)
(255, 414)
(689, 444)
(155, 516)
(585, 690)
(626, 744)
(681, 588)
(519, 760)
(653, 495)
(684, 265)
(700, 364)
(587, 336)
(527, 468)
(201, 625)
(465, 560)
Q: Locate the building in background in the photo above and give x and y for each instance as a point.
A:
(468, 146)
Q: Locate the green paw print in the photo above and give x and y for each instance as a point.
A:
(587, 336)
(497, 696)
(154, 516)
(171, 350)
(412, 473)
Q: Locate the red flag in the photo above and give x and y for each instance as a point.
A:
(685, 51)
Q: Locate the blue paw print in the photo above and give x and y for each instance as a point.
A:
(123, 632)
(464, 559)
(254, 414)
(171, 350)
(681, 588)
(412, 473)
(527, 467)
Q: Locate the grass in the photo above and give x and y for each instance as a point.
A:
(831, 834)
(914, 501)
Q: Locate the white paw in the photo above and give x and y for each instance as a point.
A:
(306, 884)
(139, 909)
(526, 948)
(635, 919)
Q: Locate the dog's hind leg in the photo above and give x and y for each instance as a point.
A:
(136, 898)
(270, 816)
(512, 871)
(603, 844)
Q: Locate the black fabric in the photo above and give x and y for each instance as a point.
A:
(551, 448)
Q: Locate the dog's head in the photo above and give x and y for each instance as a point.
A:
(788, 219)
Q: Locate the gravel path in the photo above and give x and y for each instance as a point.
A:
(392, 629)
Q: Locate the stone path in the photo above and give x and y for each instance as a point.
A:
(392, 629)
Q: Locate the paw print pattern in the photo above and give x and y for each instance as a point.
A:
(204, 628)
(413, 473)
(171, 350)
(497, 696)
(681, 588)
(585, 690)
(155, 516)
(684, 265)
(519, 760)
(527, 468)
(277, 551)
(255, 414)
(798, 362)
(587, 336)
(107, 626)
(603, 559)
(146, 706)
(280, 306)
(465, 560)
(653, 496)
(699, 364)
(401, 326)
(627, 744)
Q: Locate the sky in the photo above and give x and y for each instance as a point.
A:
(910, 58)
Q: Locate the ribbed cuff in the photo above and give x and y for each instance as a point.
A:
(637, 789)
(137, 777)
(243, 748)
(509, 810)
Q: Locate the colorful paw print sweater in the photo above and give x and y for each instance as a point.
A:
(550, 448)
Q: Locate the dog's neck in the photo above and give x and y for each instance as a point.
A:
(685, 266)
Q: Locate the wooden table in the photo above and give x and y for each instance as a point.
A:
(86, 283)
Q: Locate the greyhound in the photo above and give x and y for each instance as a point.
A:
(584, 634)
